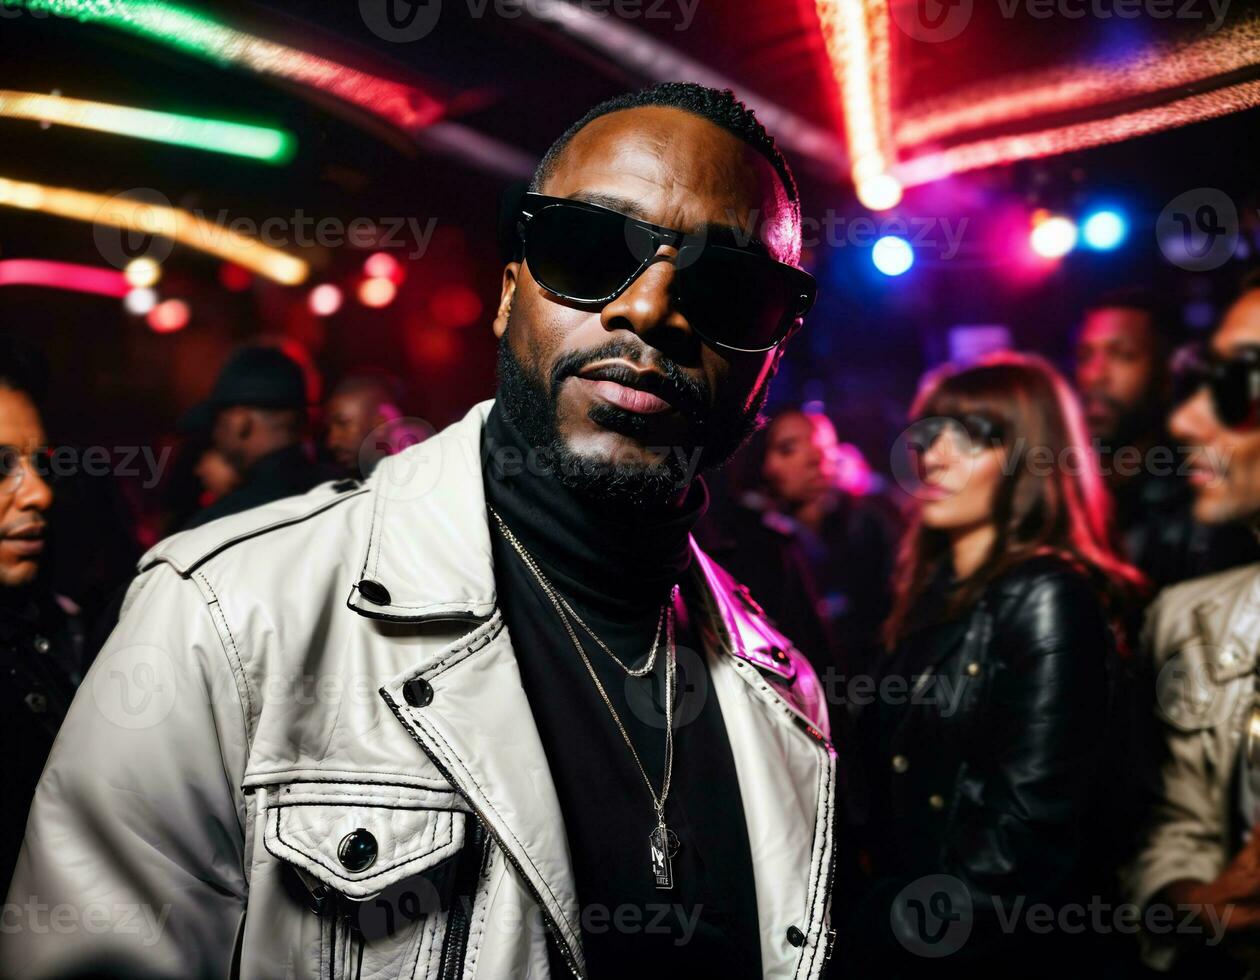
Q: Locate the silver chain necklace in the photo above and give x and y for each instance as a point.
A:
(662, 842)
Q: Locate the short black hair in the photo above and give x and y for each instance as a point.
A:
(720, 106)
(387, 385)
(23, 368)
(1165, 326)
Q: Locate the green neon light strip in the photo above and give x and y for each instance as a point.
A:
(197, 34)
(216, 136)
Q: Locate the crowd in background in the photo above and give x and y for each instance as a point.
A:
(993, 623)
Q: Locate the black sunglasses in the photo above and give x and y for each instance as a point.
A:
(735, 297)
(1233, 382)
(975, 431)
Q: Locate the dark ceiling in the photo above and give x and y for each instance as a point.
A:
(519, 82)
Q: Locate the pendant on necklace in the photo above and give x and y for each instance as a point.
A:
(664, 845)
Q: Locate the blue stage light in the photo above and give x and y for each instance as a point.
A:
(1104, 230)
(892, 255)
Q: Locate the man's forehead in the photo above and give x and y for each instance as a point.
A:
(1115, 323)
(681, 171)
(1241, 324)
(20, 423)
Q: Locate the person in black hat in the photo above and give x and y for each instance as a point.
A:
(256, 417)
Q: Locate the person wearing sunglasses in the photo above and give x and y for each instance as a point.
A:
(1200, 850)
(491, 711)
(41, 649)
(1124, 356)
(975, 775)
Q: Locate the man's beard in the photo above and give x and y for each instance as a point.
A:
(717, 433)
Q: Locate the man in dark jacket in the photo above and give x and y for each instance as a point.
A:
(40, 643)
(256, 415)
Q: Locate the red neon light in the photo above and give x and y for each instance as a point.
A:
(63, 275)
(856, 37)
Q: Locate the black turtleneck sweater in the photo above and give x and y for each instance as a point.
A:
(616, 566)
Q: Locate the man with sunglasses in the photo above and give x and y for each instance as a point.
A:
(1200, 853)
(40, 642)
(1124, 351)
(566, 742)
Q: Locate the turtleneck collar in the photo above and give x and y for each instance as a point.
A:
(604, 556)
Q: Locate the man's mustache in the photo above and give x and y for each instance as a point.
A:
(689, 394)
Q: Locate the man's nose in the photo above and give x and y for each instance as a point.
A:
(33, 493)
(1194, 420)
(648, 308)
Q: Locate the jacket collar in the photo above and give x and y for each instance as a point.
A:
(427, 554)
(1228, 628)
(428, 557)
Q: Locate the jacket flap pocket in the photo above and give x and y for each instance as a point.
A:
(361, 839)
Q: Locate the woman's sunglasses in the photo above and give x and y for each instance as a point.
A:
(1233, 382)
(973, 432)
(734, 297)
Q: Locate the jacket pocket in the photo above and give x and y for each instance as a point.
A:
(377, 864)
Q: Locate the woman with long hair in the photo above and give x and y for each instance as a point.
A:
(974, 781)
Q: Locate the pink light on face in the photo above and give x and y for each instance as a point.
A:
(169, 317)
(64, 275)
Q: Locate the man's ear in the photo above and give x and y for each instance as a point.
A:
(506, 292)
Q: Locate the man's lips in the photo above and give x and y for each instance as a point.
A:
(1198, 475)
(644, 392)
(26, 541)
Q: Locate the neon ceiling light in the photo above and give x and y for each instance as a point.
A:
(237, 139)
(1181, 83)
(195, 33)
(1184, 68)
(145, 218)
(1065, 139)
(63, 275)
(856, 36)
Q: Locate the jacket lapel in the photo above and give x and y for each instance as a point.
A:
(428, 559)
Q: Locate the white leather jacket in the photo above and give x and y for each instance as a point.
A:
(306, 752)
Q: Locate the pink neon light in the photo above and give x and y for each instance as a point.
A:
(1154, 70)
(63, 275)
